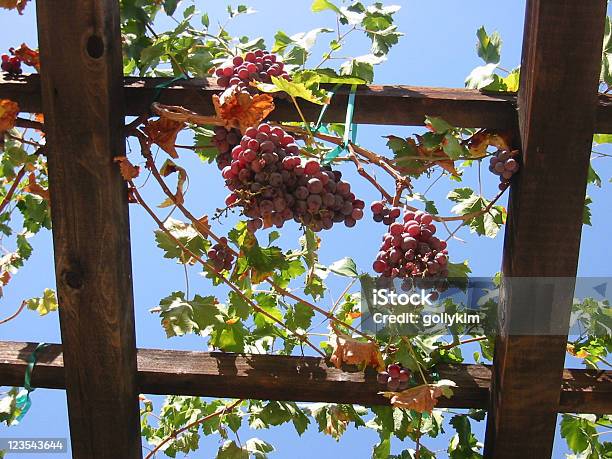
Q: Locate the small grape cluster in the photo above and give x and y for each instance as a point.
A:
(410, 249)
(396, 377)
(505, 164)
(221, 256)
(254, 66)
(272, 184)
(225, 140)
(11, 64)
(383, 213)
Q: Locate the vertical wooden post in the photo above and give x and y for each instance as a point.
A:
(557, 107)
(82, 89)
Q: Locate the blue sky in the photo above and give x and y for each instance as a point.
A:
(438, 49)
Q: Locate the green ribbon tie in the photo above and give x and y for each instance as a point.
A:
(23, 400)
(350, 129)
(167, 84)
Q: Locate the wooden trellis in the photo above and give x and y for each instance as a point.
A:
(84, 97)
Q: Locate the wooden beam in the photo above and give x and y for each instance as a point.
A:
(391, 105)
(82, 100)
(274, 377)
(557, 111)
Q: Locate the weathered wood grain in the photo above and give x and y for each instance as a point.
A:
(557, 112)
(306, 379)
(389, 104)
(82, 100)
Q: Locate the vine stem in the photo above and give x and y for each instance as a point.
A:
(202, 229)
(170, 56)
(15, 314)
(361, 171)
(25, 123)
(411, 349)
(399, 178)
(23, 140)
(372, 157)
(12, 189)
(460, 343)
(417, 449)
(181, 114)
(229, 283)
(197, 422)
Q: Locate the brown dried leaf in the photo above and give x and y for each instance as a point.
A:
(41, 119)
(34, 188)
(421, 398)
(5, 278)
(128, 170)
(169, 168)
(27, 55)
(202, 225)
(347, 350)
(163, 132)
(8, 114)
(239, 109)
(14, 4)
(483, 139)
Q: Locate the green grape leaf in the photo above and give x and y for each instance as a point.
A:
(180, 316)
(593, 177)
(482, 223)
(325, 76)
(345, 267)
(323, 5)
(488, 47)
(437, 125)
(187, 235)
(258, 448)
(333, 419)
(577, 432)
(586, 214)
(481, 77)
(230, 450)
(378, 25)
(361, 67)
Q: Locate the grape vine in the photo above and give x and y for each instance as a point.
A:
(302, 177)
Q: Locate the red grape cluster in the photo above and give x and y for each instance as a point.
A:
(254, 66)
(225, 140)
(272, 184)
(11, 64)
(382, 213)
(410, 249)
(396, 377)
(221, 256)
(505, 164)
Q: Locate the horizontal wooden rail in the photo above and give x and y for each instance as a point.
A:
(384, 105)
(305, 379)
(393, 105)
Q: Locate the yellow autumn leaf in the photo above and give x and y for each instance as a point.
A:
(484, 139)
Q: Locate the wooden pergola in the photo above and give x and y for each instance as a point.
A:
(85, 98)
